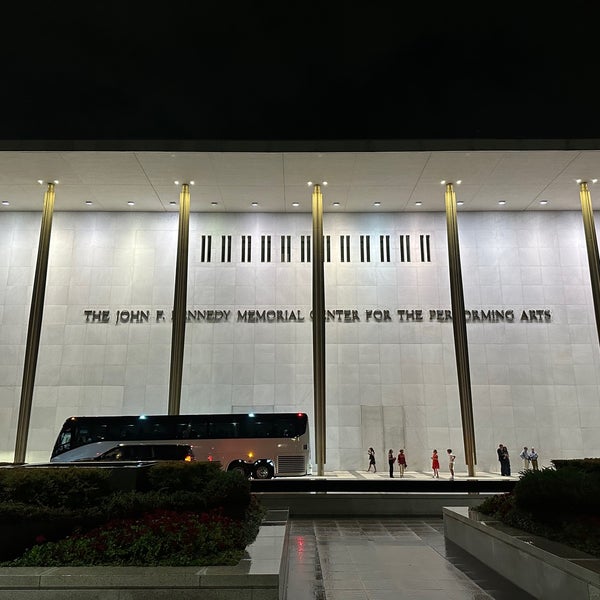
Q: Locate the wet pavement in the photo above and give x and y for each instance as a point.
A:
(385, 559)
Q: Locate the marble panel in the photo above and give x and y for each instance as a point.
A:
(14, 295)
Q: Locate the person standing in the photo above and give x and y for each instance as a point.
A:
(525, 457)
(391, 461)
(435, 464)
(451, 459)
(371, 453)
(401, 462)
(506, 461)
(500, 453)
(533, 457)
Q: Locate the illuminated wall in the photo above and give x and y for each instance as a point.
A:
(391, 376)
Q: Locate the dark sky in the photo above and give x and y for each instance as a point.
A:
(261, 70)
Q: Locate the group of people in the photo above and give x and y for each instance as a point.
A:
(529, 458)
(391, 461)
(401, 459)
(435, 463)
(402, 465)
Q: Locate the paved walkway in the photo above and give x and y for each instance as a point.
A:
(384, 474)
(385, 559)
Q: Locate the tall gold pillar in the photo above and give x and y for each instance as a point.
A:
(35, 326)
(592, 248)
(460, 332)
(179, 302)
(318, 327)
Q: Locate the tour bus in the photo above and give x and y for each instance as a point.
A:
(261, 445)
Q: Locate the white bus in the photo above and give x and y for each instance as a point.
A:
(261, 445)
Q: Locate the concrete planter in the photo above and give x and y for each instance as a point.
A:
(542, 568)
(258, 576)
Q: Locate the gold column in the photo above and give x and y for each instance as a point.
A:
(318, 325)
(35, 326)
(179, 302)
(592, 248)
(460, 332)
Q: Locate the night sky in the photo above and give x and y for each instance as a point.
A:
(267, 71)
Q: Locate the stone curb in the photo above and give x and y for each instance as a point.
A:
(543, 568)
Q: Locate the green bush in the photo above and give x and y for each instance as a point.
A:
(558, 504)
(67, 488)
(497, 505)
(174, 476)
(566, 490)
(160, 537)
(583, 464)
(51, 504)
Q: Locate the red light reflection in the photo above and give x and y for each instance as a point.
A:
(300, 548)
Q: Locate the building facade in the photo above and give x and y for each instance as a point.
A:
(391, 378)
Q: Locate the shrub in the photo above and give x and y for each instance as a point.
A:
(560, 505)
(175, 476)
(497, 505)
(583, 464)
(160, 537)
(55, 503)
(566, 490)
(66, 488)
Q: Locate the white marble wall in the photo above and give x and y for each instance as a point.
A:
(389, 384)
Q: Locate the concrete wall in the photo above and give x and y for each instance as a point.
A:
(390, 383)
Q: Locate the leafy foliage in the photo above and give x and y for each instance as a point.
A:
(583, 464)
(174, 476)
(160, 537)
(560, 505)
(62, 488)
(549, 491)
(66, 502)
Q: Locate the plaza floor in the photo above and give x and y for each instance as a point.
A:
(385, 559)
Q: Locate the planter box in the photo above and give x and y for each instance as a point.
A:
(258, 576)
(542, 568)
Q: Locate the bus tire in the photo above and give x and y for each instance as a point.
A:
(238, 466)
(263, 470)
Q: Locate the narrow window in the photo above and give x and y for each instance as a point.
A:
(225, 248)
(425, 251)
(205, 250)
(265, 248)
(365, 248)
(305, 248)
(246, 248)
(344, 248)
(405, 248)
(384, 248)
(286, 244)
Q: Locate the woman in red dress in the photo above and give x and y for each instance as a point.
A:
(435, 464)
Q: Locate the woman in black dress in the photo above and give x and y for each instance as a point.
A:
(372, 461)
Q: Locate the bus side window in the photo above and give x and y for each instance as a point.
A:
(224, 430)
(198, 429)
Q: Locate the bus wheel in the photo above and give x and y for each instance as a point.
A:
(262, 471)
(238, 467)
